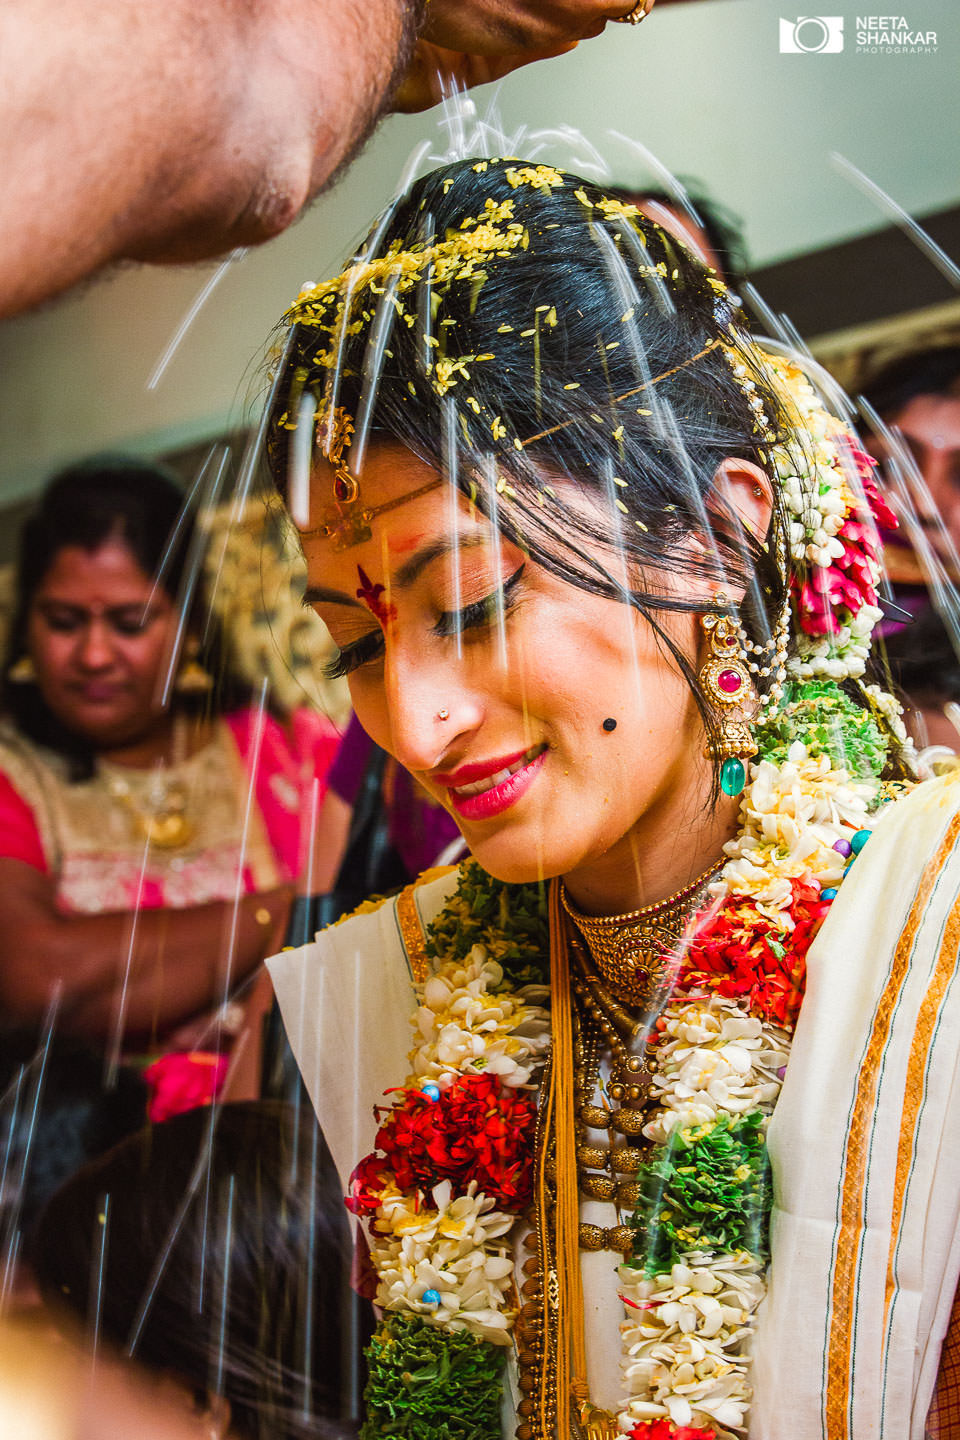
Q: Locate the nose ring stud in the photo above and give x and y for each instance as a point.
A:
(443, 714)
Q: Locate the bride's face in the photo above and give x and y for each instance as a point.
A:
(504, 725)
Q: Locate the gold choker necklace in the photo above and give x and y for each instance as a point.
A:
(632, 951)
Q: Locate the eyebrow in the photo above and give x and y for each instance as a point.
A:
(406, 574)
(136, 607)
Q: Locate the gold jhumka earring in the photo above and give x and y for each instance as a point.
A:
(22, 671)
(192, 677)
(725, 680)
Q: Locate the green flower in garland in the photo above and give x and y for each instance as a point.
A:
(708, 1190)
(427, 1384)
(829, 722)
(510, 921)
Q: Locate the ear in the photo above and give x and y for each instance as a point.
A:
(746, 490)
(216, 1417)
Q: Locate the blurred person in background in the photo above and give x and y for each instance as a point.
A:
(151, 818)
(56, 1113)
(918, 396)
(53, 1391)
(223, 1254)
(707, 228)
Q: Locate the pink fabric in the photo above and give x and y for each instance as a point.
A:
(19, 836)
(184, 1080)
(289, 766)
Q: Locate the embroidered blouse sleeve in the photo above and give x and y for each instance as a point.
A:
(19, 835)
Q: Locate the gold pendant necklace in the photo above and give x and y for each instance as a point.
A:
(631, 952)
(159, 818)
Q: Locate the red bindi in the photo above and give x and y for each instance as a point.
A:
(372, 596)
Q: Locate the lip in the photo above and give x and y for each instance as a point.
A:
(98, 694)
(489, 803)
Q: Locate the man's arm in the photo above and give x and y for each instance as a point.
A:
(170, 130)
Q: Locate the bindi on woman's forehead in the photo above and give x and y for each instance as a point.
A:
(372, 596)
(404, 545)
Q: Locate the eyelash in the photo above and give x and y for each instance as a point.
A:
(471, 617)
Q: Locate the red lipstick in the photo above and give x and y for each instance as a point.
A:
(487, 788)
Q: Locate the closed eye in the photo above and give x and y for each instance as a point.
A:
(481, 612)
(474, 616)
(351, 657)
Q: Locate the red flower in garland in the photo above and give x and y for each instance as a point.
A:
(867, 473)
(666, 1430)
(848, 583)
(741, 954)
(476, 1130)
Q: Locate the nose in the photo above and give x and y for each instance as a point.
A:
(431, 711)
(94, 647)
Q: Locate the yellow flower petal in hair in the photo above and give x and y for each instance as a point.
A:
(538, 177)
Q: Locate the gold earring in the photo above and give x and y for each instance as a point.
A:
(22, 671)
(192, 678)
(725, 680)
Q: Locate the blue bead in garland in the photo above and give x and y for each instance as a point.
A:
(432, 1092)
(430, 1297)
(829, 894)
(858, 840)
(733, 776)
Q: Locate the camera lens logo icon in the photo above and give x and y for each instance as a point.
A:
(812, 35)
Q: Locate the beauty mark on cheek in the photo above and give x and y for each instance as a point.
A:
(372, 596)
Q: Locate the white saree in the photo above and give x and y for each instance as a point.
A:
(865, 1140)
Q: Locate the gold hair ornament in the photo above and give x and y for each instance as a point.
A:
(629, 394)
(348, 524)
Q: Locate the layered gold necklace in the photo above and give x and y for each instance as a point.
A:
(618, 961)
(599, 967)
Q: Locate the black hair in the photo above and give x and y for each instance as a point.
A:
(57, 1111)
(107, 497)
(721, 227)
(923, 660)
(596, 349)
(935, 371)
(224, 1260)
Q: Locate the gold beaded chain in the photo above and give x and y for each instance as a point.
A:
(605, 1172)
(606, 974)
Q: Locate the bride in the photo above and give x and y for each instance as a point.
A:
(632, 1157)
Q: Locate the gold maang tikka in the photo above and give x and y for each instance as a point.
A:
(347, 521)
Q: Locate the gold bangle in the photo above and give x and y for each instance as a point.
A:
(634, 16)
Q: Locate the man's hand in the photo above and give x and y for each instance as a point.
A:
(470, 42)
(497, 27)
